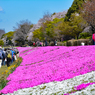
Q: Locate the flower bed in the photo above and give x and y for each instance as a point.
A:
(47, 64)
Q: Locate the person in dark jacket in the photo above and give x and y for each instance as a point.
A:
(2, 56)
(4, 63)
(46, 43)
(8, 57)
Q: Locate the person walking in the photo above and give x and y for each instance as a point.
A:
(16, 53)
(4, 63)
(8, 57)
(93, 38)
(40, 44)
(34, 44)
(5, 56)
(45, 42)
(13, 53)
(55, 42)
(2, 56)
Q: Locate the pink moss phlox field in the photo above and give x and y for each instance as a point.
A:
(47, 64)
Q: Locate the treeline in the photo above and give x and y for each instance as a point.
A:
(78, 17)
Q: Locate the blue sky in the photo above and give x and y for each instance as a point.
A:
(13, 11)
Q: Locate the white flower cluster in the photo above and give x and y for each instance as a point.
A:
(61, 88)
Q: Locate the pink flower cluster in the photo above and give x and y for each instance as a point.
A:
(82, 86)
(46, 64)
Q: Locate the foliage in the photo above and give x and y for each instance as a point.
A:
(38, 34)
(1, 43)
(50, 31)
(53, 14)
(74, 8)
(65, 28)
(65, 41)
(78, 24)
(56, 20)
(9, 36)
(3, 82)
(72, 27)
(47, 31)
(88, 13)
(21, 31)
(84, 35)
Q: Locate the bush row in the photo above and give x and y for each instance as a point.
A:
(75, 42)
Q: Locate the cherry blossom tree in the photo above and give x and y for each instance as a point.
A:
(88, 12)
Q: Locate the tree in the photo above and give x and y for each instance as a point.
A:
(65, 28)
(42, 32)
(88, 13)
(48, 30)
(8, 36)
(1, 43)
(2, 32)
(73, 27)
(20, 35)
(78, 24)
(46, 16)
(74, 8)
(37, 34)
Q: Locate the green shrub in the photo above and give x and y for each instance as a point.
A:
(90, 37)
(65, 41)
(85, 35)
(1, 43)
(3, 82)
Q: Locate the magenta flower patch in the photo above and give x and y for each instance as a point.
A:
(47, 64)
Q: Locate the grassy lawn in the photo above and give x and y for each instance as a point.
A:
(2, 69)
(5, 71)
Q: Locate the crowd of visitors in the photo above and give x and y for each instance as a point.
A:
(8, 55)
(45, 43)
